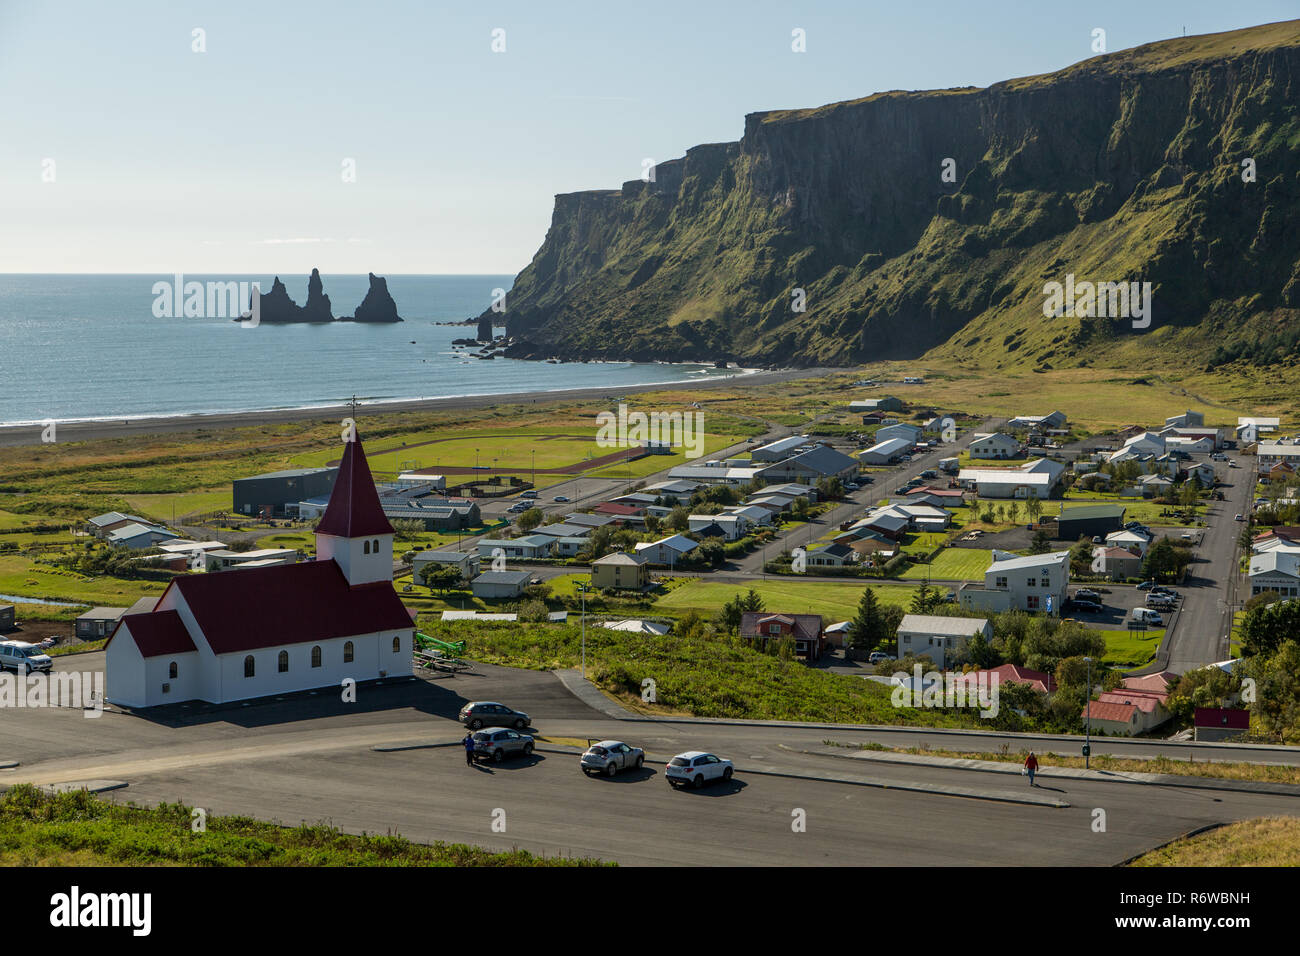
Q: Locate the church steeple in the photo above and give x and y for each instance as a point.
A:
(354, 531)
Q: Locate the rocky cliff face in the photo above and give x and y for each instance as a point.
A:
(1124, 168)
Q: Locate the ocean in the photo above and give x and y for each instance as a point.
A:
(87, 347)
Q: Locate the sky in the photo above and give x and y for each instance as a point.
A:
(123, 148)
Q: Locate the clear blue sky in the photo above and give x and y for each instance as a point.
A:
(230, 161)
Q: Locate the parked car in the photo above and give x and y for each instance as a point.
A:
(23, 658)
(1239, 518)
(561, 498)
(876, 657)
(499, 744)
(611, 756)
(853, 486)
(1087, 594)
(1161, 602)
(929, 473)
(696, 768)
(1084, 604)
(1145, 615)
(1146, 585)
(488, 713)
(1232, 463)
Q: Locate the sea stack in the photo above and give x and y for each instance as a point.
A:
(378, 305)
(317, 308)
(485, 329)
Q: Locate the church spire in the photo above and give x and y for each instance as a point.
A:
(354, 510)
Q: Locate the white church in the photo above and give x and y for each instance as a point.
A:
(272, 630)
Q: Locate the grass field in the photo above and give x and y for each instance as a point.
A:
(833, 600)
(23, 577)
(164, 507)
(1131, 647)
(78, 829)
(1267, 841)
(953, 564)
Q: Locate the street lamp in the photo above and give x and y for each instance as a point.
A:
(1087, 719)
(582, 590)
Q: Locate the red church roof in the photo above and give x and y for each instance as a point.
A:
(244, 610)
(157, 633)
(354, 510)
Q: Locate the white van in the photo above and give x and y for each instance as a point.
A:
(1144, 615)
(23, 658)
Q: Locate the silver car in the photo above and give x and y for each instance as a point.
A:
(23, 658)
(499, 744)
(611, 756)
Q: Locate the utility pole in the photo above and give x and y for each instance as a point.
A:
(1087, 720)
(582, 591)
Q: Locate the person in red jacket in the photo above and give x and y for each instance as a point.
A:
(1031, 764)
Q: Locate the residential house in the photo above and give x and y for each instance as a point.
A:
(1188, 419)
(500, 584)
(1035, 582)
(1134, 541)
(531, 546)
(666, 552)
(820, 461)
(1111, 717)
(467, 562)
(138, 537)
(621, 570)
(1154, 486)
(1116, 564)
(732, 526)
(1034, 479)
(831, 555)
(942, 639)
(1150, 705)
(1218, 724)
(224, 560)
(995, 445)
(97, 623)
(805, 630)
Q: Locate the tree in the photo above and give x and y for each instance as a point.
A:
(1041, 543)
(530, 519)
(652, 523)
(731, 613)
(677, 519)
(407, 528)
(1034, 508)
(800, 507)
(866, 632)
(925, 600)
(1081, 557)
(981, 653)
(1265, 627)
(441, 577)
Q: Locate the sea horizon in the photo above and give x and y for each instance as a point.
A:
(85, 347)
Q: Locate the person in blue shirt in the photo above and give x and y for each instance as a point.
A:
(468, 743)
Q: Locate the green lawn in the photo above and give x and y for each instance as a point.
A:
(953, 564)
(1131, 647)
(164, 507)
(832, 600)
(25, 578)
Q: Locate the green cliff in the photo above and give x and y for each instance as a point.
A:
(1126, 167)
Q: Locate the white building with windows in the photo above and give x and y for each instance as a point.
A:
(1035, 582)
(255, 632)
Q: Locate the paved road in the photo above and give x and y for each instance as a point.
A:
(311, 758)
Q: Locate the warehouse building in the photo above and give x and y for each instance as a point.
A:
(1089, 521)
(271, 493)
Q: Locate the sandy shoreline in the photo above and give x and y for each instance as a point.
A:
(12, 436)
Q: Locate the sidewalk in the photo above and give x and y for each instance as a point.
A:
(1074, 773)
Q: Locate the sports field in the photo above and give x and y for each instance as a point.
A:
(832, 600)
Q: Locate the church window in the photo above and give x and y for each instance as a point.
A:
(315, 656)
(283, 662)
(347, 652)
(248, 666)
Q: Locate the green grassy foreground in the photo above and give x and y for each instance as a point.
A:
(1268, 841)
(78, 829)
(705, 677)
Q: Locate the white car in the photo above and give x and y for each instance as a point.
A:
(695, 768)
(23, 658)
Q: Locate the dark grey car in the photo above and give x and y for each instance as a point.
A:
(496, 745)
(488, 713)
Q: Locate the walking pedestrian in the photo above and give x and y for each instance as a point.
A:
(468, 744)
(1031, 764)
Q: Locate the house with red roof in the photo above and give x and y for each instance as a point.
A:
(1150, 705)
(1015, 674)
(254, 632)
(1110, 716)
